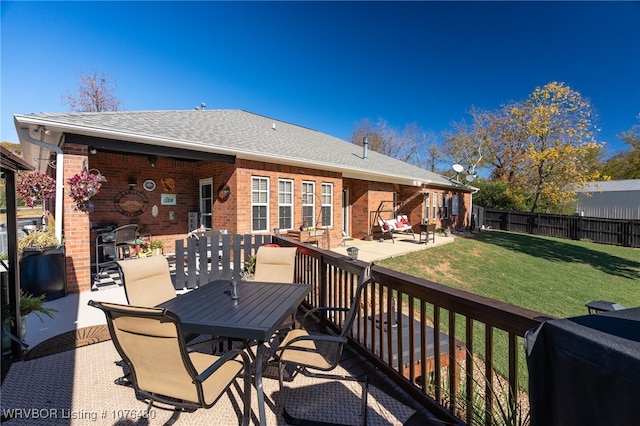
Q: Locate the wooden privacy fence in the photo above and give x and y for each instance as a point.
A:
(214, 256)
(606, 231)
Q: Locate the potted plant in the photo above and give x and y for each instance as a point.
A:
(37, 240)
(29, 304)
(42, 258)
(83, 186)
(156, 247)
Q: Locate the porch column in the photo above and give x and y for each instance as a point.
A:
(76, 225)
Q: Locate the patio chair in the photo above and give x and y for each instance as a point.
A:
(150, 341)
(113, 246)
(308, 352)
(275, 264)
(147, 282)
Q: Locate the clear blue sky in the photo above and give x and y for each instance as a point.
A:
(325, 65)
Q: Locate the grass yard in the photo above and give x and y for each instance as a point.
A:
(552, 276)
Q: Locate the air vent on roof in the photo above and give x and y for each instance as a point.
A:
(273, 126)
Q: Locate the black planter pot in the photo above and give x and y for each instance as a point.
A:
(44, 272)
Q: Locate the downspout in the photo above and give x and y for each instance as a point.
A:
(59, 177)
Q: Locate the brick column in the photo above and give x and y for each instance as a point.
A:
(76, 226)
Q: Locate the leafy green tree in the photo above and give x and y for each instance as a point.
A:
(499, 195)
(626, 165)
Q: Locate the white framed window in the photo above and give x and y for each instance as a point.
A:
(259, 203)
(327, 205)
(206, 203)
(454, 204)
(434, 205)
(427, 206)
(447, 201)
(285, 204)
(309, 204)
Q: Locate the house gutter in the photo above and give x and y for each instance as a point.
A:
(24, 133)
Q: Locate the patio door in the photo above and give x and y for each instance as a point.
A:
(206, 203)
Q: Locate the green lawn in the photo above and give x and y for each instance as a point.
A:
(553, 276)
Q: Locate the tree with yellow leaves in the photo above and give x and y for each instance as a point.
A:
(561, 149)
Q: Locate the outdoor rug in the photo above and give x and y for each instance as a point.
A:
(77, 388)
(70, 340)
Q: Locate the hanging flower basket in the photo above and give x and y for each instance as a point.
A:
(33, 187)
(82, 187)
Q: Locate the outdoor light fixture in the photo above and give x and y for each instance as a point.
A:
(152, 160)
(133, 181)
(92, 150)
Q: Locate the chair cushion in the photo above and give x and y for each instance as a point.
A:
(310, 358)
(147, 281)
(215, 385)
(275, 264)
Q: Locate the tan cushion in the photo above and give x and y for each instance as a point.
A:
(214, 386)
(153, 348)
(309, 358)
(147, 280)
(275, 264)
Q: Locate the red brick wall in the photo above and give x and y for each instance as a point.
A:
(248, 169)
(234, 214)
(75, 226)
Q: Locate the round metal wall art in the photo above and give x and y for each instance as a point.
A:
(131, 202)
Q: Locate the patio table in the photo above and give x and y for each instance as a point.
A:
(256, 315)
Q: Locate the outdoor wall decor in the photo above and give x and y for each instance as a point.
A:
(149, 185)
(168, 184)
(131, 202)
(223, 193)
(168, 199)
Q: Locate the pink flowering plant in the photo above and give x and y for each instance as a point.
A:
(34, 187)
(82, 187)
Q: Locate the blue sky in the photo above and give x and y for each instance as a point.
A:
(325, 65)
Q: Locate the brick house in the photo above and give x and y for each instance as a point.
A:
(173, 171)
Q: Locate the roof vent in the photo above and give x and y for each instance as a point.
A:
(365, 147)
(273, 126)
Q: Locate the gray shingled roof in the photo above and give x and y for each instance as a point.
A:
(241, 133)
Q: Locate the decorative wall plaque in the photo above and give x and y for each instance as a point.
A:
(131, 202)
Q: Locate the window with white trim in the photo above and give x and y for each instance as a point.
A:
(206, 203)
(285, 204)
(447, 201)
(327, 205)
(427, 206)
(309, 204)
(454, 204)
(434, 205)
(259, 203)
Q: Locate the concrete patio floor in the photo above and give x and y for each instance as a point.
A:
(371, 251)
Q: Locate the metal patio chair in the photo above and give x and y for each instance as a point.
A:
(162, 370)
(315, 355)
